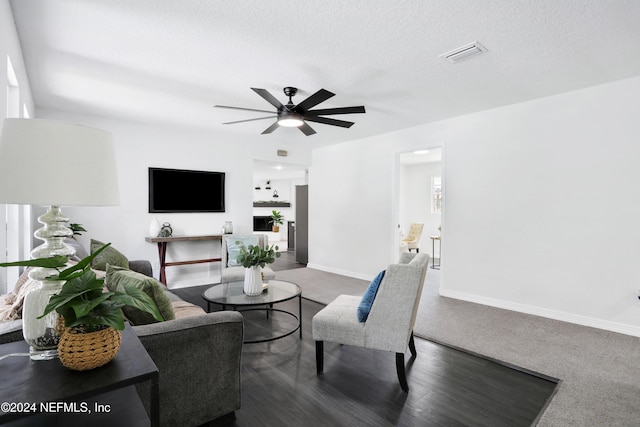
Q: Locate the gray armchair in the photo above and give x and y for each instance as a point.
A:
(389, 325)
(231, 273)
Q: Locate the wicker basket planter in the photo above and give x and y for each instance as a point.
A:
(83, 351)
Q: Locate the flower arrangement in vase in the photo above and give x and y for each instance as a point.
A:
(254, 258)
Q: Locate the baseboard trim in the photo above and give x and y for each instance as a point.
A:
(544, 312)
(340, 272)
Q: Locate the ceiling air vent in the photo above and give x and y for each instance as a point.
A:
(464, 52)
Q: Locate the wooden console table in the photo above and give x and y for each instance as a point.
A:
(162, 251)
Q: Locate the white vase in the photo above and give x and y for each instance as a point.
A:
(154, 227)
(253, 281)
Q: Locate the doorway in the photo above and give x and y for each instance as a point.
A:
(420, 190)
(274, 188)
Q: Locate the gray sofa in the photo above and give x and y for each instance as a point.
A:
(198, 358)
(199, 362)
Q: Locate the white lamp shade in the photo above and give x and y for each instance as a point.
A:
(51, 163)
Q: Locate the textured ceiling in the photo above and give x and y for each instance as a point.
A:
(169, 61)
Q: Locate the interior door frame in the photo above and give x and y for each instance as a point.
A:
(396, 205)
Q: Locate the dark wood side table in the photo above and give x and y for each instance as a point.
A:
(39, 392)
(162, 251)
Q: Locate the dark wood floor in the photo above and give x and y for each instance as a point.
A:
(359, 387)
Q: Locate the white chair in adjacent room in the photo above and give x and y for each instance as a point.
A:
(412, 239)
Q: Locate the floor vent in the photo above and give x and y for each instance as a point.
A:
(464, 52)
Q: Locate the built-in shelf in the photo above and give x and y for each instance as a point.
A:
(271, 204)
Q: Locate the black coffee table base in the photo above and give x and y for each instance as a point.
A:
(277, 337)
(232, 295)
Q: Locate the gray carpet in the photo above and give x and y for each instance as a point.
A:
(599, 370)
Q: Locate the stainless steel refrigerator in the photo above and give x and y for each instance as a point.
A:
(302, 224)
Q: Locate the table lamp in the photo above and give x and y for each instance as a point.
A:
(51, 163)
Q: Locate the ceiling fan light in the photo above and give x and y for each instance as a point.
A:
(290, 120)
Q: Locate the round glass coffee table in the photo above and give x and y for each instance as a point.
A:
(232, 295)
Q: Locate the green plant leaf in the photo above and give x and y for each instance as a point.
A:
(83, 306)
(85, 262)
(137, 298)
(254, 255)
(57, 261)
(107, 313)
(85, 285)
(83, 302)
(85, 281)
(68, 314)
(76, 228)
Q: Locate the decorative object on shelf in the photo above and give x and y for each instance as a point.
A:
(166, 230)
(227, 228)
(46, 147)
(79, 300)
(277, 220)
(275, 194)
(268, 185)
(154, 227)
(253, 259)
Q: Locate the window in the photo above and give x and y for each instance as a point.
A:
(13, 91)
(15, 233)
(436, 195)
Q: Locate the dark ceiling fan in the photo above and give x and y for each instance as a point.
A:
(291, 115)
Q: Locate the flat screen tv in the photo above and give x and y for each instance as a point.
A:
(179, 190)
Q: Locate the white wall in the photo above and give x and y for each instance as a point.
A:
(126, 226)
(541, 205)
(351, 216)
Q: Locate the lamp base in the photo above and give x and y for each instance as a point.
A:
(53, 233)
(35, 354)
(43, 334)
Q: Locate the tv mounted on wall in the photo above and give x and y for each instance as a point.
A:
(179, 190)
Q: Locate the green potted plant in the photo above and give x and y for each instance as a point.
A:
(88, 311)
(77, 229)
(253, 259)
(276, 220)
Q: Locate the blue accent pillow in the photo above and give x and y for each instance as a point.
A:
(369, 296)
(233, 248)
